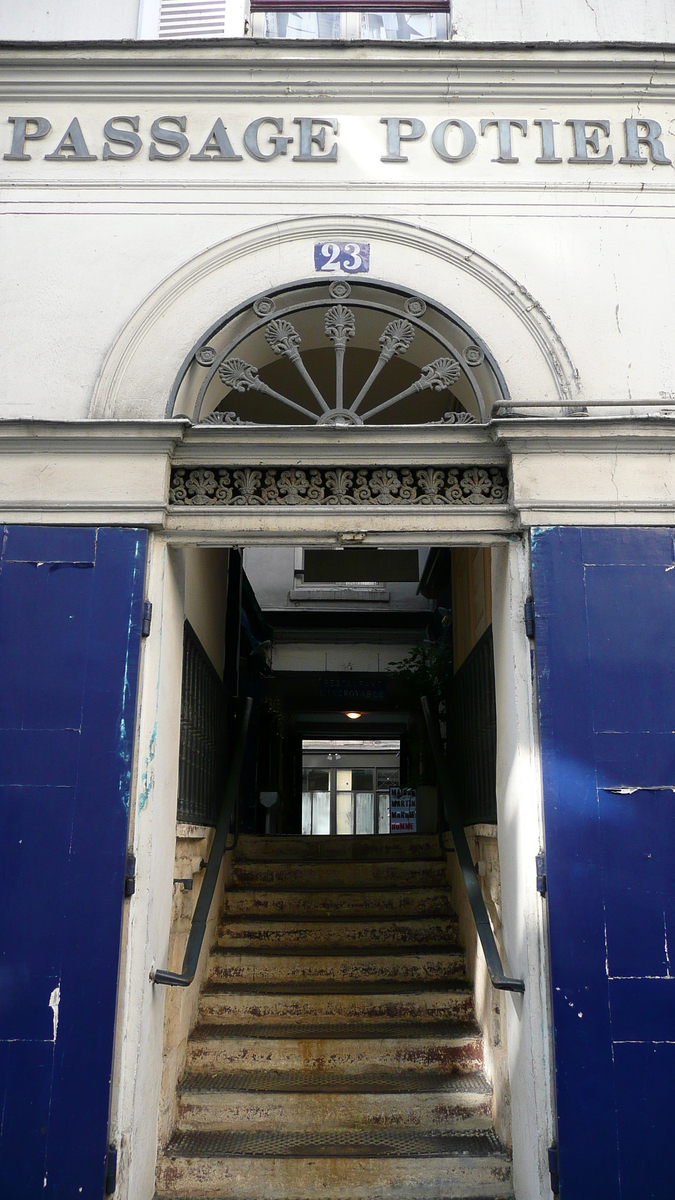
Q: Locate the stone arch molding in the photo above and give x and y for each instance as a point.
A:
(139, 370)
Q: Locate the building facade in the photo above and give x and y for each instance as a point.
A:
(270, 289)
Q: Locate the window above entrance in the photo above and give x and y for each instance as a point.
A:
(412, 25)
(330, 20)
(339, 352)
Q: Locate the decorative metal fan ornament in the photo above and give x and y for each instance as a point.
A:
(311, 327)
(339, 326)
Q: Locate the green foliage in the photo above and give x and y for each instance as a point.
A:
(426, 671)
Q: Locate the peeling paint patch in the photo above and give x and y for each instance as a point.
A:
(148, 776)
(629, 791)
(54, 1002)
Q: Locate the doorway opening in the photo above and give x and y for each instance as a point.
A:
(344, 910)
(337, 647)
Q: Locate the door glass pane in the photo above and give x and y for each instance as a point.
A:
(321, 812)
(362, 780)
(306, 813)
(365, 805)
(317, 781)
(345, 810)
(343, 780)
(382, 812)
(387, 777)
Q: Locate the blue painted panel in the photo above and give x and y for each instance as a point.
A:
(25, 1093)
(42, 644)
(70, 644)
(46, 545)
(644, 1075)
(605, 652)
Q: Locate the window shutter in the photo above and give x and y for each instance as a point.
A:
(191, 18)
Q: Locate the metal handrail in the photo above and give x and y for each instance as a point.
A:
(454, 820)
(205, 898)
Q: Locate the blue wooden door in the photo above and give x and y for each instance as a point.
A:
(70, 610)
(605, 656)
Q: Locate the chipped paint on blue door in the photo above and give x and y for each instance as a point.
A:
(70, 613)
(605, 658)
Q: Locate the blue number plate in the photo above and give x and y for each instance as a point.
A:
(333, 257)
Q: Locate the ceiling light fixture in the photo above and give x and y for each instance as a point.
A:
(353, 716)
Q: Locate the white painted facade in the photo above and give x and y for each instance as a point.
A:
(471, 20)
(111, 270)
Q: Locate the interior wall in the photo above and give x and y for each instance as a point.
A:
(205, 598)
(471, 599)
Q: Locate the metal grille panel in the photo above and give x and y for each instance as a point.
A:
(203, 729)
(399, 1143)
(472, 732)
(382, 1082)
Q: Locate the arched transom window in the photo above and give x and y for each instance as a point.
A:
(339, 352)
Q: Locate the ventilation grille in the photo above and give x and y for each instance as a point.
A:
(192, 18)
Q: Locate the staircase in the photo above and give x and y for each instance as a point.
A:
(336, 1053)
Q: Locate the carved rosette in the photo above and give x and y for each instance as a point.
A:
(283, 486)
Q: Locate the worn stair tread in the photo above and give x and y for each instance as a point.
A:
(399, 1031)
(460, 986)
(395, 1143)
(264, 920)
(337, 847)
(376, 1082)
(337, 889)
(337, 951)
(331, 875)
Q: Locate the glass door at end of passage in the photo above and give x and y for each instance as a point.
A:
(347, 800)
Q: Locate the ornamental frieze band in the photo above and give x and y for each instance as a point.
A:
(227, 486)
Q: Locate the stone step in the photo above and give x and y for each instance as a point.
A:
(324, 876)
(394, 1165)
(265, 933)
(447, 1110)
(372, 967)
(390, 1046)
(341, 848)
(226, 1007)
(368, 903)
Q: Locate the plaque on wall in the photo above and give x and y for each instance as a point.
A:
(335, 257)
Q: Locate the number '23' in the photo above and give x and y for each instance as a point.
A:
(348, 256)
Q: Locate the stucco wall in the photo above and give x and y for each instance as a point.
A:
(472, 20)
(111, 270)
(68, 20)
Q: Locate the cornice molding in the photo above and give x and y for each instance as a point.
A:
(563, 470)
(586, 435)
(239, 69)
(22, 436)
